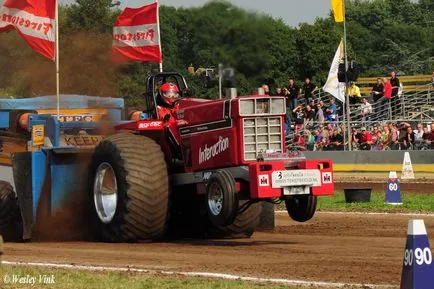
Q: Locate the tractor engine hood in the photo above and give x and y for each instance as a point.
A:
(195, 111)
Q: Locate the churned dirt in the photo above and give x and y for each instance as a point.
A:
(350, 248)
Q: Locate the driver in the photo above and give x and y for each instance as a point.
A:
(169, 93)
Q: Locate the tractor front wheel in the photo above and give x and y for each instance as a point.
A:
(301, 208)
(221, 197)
(11, 225)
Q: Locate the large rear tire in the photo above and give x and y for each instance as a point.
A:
(227, 221)
(128, 189)
(244, 224)
(301, 208)
(268, 216)
(11, 225)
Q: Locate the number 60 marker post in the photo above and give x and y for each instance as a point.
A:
(393, 190)
(418, 267)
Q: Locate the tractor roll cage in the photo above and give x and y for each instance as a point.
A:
(153, 84)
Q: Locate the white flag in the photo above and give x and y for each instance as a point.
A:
(333, 86)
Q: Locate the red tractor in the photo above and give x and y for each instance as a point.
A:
(206, 167)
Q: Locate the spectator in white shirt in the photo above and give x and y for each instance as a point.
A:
(418, 134)
(366, 108)
(319, 117)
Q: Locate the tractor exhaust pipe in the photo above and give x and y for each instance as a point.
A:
(231, 93)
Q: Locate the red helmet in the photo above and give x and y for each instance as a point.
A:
(169, 92)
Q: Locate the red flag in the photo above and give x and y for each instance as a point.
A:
(35, 22)
(136, 35)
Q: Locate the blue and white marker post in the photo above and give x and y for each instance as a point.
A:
(418, 267)
(393, 190)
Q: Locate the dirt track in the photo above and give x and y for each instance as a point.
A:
(338, 248)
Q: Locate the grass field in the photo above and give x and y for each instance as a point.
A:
(68, 279)
(412, 203)
(421, 203)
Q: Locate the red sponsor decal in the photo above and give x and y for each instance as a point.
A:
(151, 125)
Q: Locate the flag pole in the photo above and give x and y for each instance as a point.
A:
(57, 60)
(347, 99)
(159, 35)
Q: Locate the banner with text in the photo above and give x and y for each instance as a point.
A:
(35, 22)
(136, 35)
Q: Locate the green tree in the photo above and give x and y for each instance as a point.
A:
(91, 15)
(382, 35)
(316, 46)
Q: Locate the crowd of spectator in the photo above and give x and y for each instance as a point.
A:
(385, 97)
(378, 137)
(394, 136)
(386, 94)
(312, 124)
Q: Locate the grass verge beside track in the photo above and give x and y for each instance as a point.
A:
(412, 203)
(77, 279)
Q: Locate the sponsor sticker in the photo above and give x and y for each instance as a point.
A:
(180, 114)
(327, 178)
(38, 134)
(150, 125)
(82, 140)
(78, 118)
(296, 178)
(206, 176)
(264, 180)
(284, 156)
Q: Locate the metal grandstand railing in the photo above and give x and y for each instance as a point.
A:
(411, 107)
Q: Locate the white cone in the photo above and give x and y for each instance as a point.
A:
(407, 168)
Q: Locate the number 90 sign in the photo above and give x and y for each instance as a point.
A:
(419, 256)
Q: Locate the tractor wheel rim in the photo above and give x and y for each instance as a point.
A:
(105, 192)
(215, 199)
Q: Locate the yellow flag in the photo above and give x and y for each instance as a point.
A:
(338, 10)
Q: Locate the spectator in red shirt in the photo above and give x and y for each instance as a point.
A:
(385, 100)
(366, 140)
(394, 81)
(299, 142)
(387, 88)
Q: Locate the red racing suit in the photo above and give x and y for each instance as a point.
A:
(171, 132)
(163, 111)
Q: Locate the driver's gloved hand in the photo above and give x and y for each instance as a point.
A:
(166, 118)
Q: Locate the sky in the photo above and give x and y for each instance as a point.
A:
(292, 12)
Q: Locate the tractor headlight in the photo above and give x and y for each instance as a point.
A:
(277, 106)
(247, 106)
